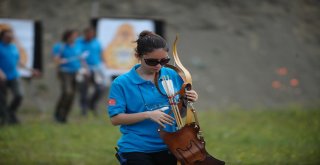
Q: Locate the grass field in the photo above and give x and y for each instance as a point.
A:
(283, 136)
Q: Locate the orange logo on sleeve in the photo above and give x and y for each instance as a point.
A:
(112, 102)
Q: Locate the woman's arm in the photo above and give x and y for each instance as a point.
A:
(157, 116)
(126, 119)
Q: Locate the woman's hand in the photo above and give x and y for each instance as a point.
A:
(2, 76)
(58, 61)
(192, 95)
(160, 117)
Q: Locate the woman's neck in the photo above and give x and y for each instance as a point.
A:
(145, 74)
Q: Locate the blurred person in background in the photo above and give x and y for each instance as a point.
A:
(68, 58)
(91, 74)
(10, 78)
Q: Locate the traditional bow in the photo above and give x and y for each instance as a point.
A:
(187, 85)
(187, 143)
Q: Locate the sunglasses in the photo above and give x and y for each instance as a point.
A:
(155, 62)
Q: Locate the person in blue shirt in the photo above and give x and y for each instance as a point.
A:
(9, 78)
(92, 72)
(67, 55)
(138, 107)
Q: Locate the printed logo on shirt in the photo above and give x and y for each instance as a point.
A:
(112, 102)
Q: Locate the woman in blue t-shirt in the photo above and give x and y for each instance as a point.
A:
(136, 105)
(94, 72)
(67, 55)
(9, 78)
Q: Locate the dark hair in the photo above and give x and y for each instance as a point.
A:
(67, 34)
(148, 42)
(89, 28)
(3, 32)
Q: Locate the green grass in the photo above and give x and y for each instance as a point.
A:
(287, 136)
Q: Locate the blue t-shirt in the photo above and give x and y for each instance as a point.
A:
(94, 49)
(9, 60)
(130, 93)
(72, 53)
(57, 48)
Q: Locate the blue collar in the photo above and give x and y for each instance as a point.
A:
(134, 76)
